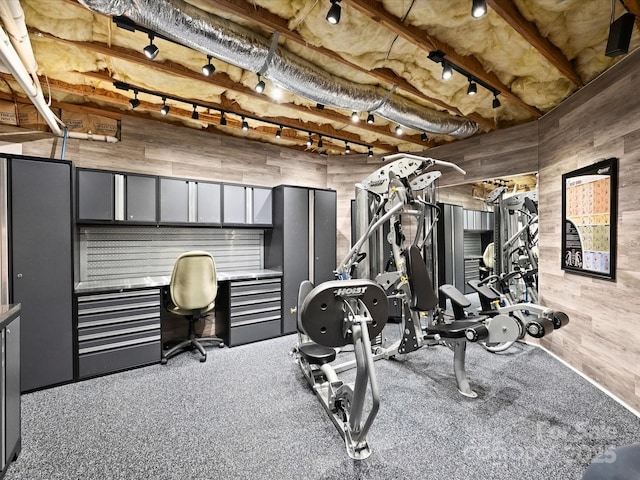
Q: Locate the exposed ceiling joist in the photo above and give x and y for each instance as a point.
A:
(421, 39)
(507, 10)
(221, 80)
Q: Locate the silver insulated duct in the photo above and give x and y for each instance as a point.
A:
(236, 45)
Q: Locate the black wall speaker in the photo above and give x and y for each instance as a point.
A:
(620, 35)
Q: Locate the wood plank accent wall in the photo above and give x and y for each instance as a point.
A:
(159, 148)
(600, 121)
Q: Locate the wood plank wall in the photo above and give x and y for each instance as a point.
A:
(600, 121)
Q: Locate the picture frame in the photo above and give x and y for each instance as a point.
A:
(589, 220)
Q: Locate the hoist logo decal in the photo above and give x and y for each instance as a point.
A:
(350, 291)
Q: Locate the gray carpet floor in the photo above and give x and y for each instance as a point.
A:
(248, 413)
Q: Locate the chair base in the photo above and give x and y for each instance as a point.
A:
(190, 344)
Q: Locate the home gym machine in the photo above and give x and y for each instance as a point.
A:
(401, 195)
(330, 316)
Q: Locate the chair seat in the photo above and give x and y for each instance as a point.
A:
(317, 354)
(454, 329)
(185, 313)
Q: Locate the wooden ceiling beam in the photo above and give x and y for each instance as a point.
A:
(220, 79)
(273, 23)
(115, 98)
(375, 11)
(510, 14)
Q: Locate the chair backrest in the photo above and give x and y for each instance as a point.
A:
(487, 256)
(194, 283)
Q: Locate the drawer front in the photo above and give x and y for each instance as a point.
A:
(253, 309)
(239, 335)
(258, 298)
(118, 330)
(252, 287)
(98, 363)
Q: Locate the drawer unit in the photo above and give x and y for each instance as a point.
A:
(254, 310)
(118, 330)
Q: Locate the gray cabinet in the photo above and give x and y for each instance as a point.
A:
(140, 197)
(10, 409)
(208, 201)
(254, 310)
(174, 200)
(95, 195)
(244, 205)
(41, 269)
(234, 200)
(189, 201)
(118, 330)
(302, 243)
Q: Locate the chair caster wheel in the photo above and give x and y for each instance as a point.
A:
(163, 361)
(221, 345)
(203, 359)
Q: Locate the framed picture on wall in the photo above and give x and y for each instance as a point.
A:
(589, 214)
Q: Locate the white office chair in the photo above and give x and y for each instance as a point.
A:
(193, 291)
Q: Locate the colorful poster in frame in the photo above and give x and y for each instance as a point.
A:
(589, 217)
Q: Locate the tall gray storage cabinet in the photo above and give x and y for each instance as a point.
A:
(302, 242)
(41, 277)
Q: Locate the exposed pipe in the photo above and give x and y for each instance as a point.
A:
(236, 45)
(12, 61)
(93, 136)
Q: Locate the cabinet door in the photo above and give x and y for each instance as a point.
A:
(262, 206)
(295, 225)
(41, 270)
(12, 379)
(208, 202)
(234, 204)
(174, 200)
(141, 198)
(95, 195)
(324, 236)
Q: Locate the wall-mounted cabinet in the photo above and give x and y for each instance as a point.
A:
(188, 201)
(108, 196)
(245, 205)
(111, 197)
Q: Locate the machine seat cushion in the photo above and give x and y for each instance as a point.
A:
(317, 354)
(454, 329)
(455, 295)
(484, 290)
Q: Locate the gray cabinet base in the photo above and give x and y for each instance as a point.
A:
(253, 332)
(109, 361)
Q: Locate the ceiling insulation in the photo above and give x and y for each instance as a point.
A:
(378, 46)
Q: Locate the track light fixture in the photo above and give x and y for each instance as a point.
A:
(496, 101)
(195, 115)
(165, 108)
(447, 71)
(134, 102)
(370, 119)
(309, 141)
(333, 15)
(260, 85)
(151, 51)
(245, 125)
(399, 130)
(319, 106)
(472, 89)
(320, 142)
(478, 8)
(424, 137)
(208, 69)
(347, 148)
(279, 132)
(370, 153)
(355, 117)
(223, 119)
